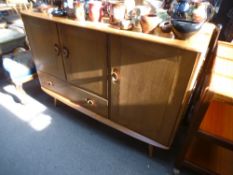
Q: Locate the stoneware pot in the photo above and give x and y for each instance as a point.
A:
(189, 16)
(184, 29)
(149, 23)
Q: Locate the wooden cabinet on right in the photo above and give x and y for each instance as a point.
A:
(208, 147)
(207, 150)
(148, 85)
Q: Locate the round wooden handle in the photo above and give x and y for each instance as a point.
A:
(49, 83)
(115, 77)
(65, 52)
(56, 49)
(89, 101)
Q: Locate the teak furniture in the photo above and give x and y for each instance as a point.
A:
(209, 142)
(136, 83)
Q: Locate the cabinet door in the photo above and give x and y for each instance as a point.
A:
(85, 58)
(148, 84)
(43, 40)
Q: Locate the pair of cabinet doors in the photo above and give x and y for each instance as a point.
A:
(144, 82)
(69, 53)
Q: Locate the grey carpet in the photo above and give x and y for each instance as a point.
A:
(73, 144)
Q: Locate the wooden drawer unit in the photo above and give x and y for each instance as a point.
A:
(78, 96)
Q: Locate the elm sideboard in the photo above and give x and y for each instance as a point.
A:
(136, 83)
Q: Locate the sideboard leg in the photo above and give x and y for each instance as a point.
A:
(151, 150)
(55, 102)
(176, 171)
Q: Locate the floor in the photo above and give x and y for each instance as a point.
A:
(38, 138)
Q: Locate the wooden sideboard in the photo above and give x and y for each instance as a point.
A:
(136, 83)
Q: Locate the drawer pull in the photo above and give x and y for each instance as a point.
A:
(65, 52)
(56, 49)
(89, 101)
(49, 83)
(115, 76)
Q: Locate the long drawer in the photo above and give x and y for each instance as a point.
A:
(86, 99)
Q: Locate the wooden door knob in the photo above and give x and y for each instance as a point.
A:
(49, 83)
(56, 49)
(65, 52)
(115, 76)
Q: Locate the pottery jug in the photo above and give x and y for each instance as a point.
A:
(149, 22)
(95, 11)
(192, 10)
(117, 12)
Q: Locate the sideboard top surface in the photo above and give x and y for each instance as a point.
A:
(197, 43)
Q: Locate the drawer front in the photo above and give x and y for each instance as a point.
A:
(50, 82)
(78, 96)
(89, 101)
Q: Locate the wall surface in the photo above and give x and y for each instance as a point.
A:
(223, 17)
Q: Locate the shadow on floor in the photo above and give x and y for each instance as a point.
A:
(74, 144)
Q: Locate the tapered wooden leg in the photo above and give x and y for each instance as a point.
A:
(176, 171)
(55, 102)
(151, 150)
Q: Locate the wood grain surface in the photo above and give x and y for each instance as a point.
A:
(222, 75)
(43, 37)
(210, 157)
(152, 84)
(218, 120)
(86, 63)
